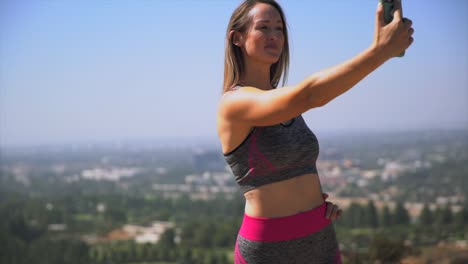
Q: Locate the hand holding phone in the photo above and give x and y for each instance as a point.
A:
(389, 7)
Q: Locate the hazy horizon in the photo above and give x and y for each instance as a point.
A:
(212, 142)
(122, 71)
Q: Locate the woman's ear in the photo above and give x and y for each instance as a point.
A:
(236, 38)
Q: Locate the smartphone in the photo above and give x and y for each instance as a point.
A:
(389, 7)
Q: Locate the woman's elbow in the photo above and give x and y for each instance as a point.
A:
(313, 89)
(318, 101)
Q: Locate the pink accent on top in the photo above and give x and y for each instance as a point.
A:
(256, 156)
(284, 228)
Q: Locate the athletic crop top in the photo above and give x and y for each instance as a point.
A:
(274, 153)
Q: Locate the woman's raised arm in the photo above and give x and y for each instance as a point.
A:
(257, 107)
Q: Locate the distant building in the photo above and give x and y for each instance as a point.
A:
(113, 174)
(392, 170)
(141, 234)
(57, 227)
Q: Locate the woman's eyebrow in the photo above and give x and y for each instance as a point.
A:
(267, 21)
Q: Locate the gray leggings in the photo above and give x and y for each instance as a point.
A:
(318, 247)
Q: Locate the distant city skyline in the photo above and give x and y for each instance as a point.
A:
(151, 70)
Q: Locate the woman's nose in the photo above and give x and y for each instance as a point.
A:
(273, 35)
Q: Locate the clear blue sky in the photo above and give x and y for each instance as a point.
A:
(79, 71)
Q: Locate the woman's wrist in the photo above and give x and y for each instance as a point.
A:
(377, 53)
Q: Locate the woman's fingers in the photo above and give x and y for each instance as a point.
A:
(379, 16)
(408, 22)
(408, 26)
(333, 212)
(329, 210)
(398, 13)
(324, 196)
(339, 213)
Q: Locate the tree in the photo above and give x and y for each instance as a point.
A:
(461, 218)
(27, 233)
(12, 249)
(443, 216)
(203, 236)
(185, 257)
(223, 259)
(426, 218)
(354, 217)
(447, 216)
(371, 215)
(438, 216)
(386, 251)
(212, 258)
(386, 217)
(400, 217)
(167, 239)
(114, 215)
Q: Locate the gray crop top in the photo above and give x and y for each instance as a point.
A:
(274, 153)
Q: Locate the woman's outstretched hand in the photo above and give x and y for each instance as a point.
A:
(333, 212)
(395, 37)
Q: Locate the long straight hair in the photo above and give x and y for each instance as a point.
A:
(233, 61)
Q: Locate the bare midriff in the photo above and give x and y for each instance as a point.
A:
(284, 198)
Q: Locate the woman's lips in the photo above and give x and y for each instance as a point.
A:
(271, 46)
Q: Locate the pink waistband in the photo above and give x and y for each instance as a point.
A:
(284, 228)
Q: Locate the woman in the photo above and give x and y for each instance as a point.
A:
(270, 149)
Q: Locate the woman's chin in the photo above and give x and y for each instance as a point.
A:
(272, 59)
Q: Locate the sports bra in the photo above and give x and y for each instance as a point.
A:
(274, 153)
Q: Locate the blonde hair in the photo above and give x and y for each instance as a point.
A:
(233, 61)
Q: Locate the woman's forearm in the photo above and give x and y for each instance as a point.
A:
(324, 86)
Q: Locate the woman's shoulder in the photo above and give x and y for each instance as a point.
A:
(232, 89)
(239, 96)
(230, 100)
(229, 92)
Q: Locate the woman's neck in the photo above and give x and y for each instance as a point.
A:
(257, 75)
